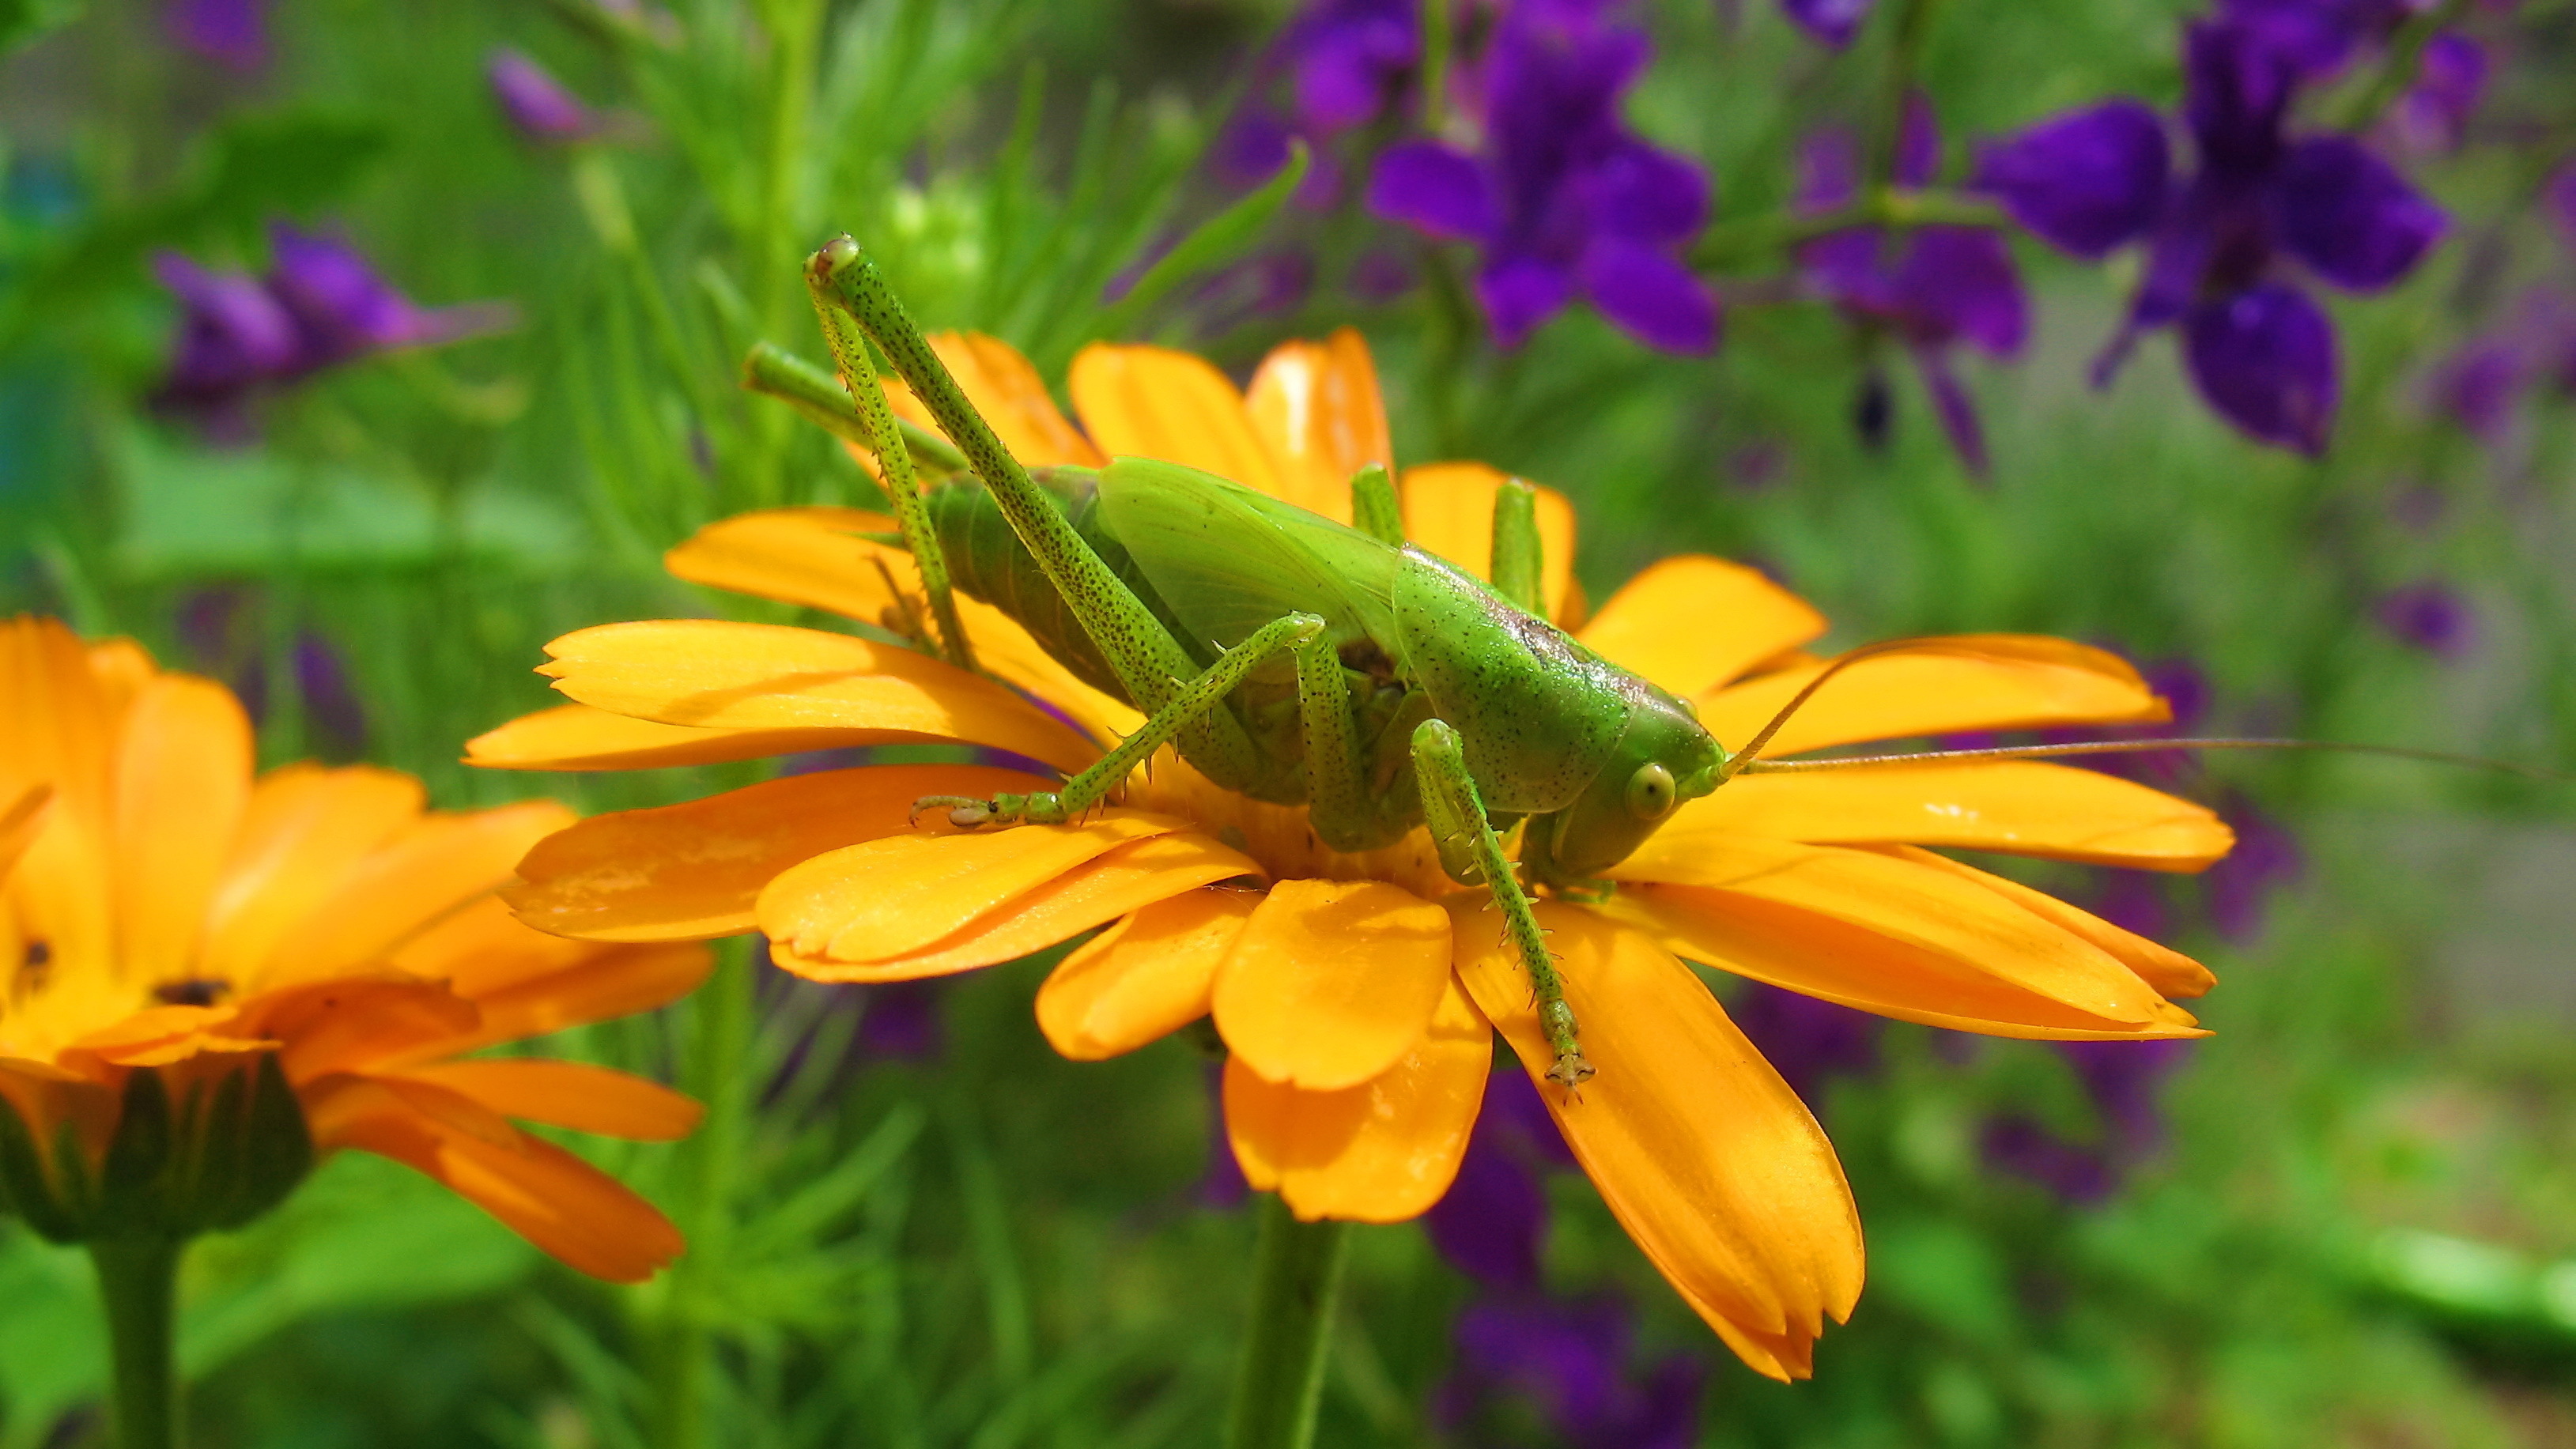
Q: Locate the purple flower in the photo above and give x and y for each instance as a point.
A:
(2559, 196)
(901, 1021)
(1346, 64)
(319, 305)
(1492, 1223)
(1936, 287)
(2240, 885)
(1567, 1361)
(1806, 1039)
(2430, 616)
(230, 32)
(1561, 198)
(2432, 118)
(1829, 22)
(2219, 242)
(536, 104)
(2122, 1081)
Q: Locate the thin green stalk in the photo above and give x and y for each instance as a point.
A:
(138, 1282)
(719, 1074)
(1435, 65)
(1279, 1381)
(1904, 62)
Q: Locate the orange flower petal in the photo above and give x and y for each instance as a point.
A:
(305, 832)
(1703, 1154)
(354, 1022)
(714, 674)
(1332, 982)
(1381, 1152)
(437, 864)
(1011, 396)
(481, 947)
(19, 824)
(2170, 972)
(1144, 977)
(60, 730)
(1890, 936)
(1692, 623)
(894, 895)
(1449, 510)
(693, 871)
(1153, 402)
(182, 782)
(615, 981)
(568, 1094)
(1128, 878)
(809, 556)
(555, 1200)
(2009, 681)
(578, 737)
(2017, 806)
(1316, 404)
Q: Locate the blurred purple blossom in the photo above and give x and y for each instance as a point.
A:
(223, 632)
(2481, 385)
(1829, 22)
(1345, 63)
(1492, 1223)
(537, 105)
(319, 305)
(2122, 1081)
(1565, 1364)
(1559, 196)
(2239, 887)
(1932, 289)
(1806, 1039)
(2429, 615)
(230, 32)
(2558, 195)
(1222, 1186)
(2256, 344)
(2432, 118)
(902, 1021)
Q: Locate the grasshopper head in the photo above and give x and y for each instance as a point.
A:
(1663, 759)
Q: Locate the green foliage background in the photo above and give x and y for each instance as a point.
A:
(2344, 1243)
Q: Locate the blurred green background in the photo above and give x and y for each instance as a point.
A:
(2345, 1234)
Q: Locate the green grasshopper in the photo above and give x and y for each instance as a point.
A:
(1304, 662)
(1287, 657)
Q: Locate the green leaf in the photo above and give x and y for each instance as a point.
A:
(24, 22)
(1214, 242)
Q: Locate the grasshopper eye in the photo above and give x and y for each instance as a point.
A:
(1650, 792)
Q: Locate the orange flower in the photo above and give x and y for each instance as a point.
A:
(1358, 993)
(182, 935)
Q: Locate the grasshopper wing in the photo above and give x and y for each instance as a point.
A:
(1227, 559)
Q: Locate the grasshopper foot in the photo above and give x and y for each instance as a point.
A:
(968, 813)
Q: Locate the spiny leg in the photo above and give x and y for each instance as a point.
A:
(1339, 805)
(1148, 661)
(1470, 852)
(1518, 554)
(894, 464)
(1374, 509)
(1192, 700)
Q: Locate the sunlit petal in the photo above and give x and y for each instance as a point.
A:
(2170, 972)
(182, 782)
(1332, 982)
(1153, 402)
(578, 1095)
(1692, 623)
(1449, 510)
(1705, 1156)
(1380, 1152)
(1316, 404)
(1978, 682)
(1145, 977)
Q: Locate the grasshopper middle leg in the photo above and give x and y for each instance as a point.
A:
(1472, 853)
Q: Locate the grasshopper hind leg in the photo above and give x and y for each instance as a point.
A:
(1472, 854)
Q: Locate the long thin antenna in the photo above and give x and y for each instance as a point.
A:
(2133, 747)
(1749, 757)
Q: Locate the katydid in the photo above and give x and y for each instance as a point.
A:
(1301, 661)
(1291, 658)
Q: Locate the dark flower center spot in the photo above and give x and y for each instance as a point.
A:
(194, 991)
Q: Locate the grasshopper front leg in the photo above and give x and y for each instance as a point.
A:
(1189, 703)
(1471, 853)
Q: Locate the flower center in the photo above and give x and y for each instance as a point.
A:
(1281, 837)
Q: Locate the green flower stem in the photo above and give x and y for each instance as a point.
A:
(1279, 1382)
(138, 1280)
